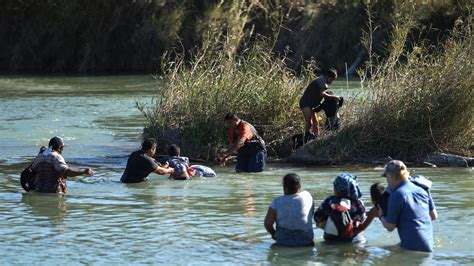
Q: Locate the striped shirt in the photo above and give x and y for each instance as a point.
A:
(51, 173)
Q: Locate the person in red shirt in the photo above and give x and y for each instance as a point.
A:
(250, 147)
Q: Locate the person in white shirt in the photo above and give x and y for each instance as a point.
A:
(293, 215)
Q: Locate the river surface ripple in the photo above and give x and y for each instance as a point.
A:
(202, 221)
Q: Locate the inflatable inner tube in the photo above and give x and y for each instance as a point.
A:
(202, 170)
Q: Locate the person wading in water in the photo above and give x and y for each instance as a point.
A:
(51, 169)
(250, 147)
(141, 163)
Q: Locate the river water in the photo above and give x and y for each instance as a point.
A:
(201, 221)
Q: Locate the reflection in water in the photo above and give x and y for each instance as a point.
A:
(345, 253)
(394, 255)
(291, 255)
(249, 203)
(50, 205)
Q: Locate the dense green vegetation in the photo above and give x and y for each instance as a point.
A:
(417, 99)
(253, 83)
(96, 36)
(254, 57)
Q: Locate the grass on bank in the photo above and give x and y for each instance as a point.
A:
(416, 102)
(257, 86)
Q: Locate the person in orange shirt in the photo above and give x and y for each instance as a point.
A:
(250, 147)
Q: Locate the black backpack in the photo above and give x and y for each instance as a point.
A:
(27, 178)
(254, 145)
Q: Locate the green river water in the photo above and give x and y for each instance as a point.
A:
(201, 221)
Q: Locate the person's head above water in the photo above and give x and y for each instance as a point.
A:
(379, 196)
(56, 143)
(149, 145)
(291, 184)
(231, 120)
(396, 172)
(331, 75)
(174, 150)
(345, 185)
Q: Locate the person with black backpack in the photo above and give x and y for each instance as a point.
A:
(341, 214)
(49, 170)
(249, 145)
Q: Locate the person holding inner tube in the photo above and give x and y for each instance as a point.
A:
(141, 163)
(312, 97)
(250, 147)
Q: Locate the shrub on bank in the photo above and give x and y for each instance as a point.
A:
(416, 103)
(191, 106)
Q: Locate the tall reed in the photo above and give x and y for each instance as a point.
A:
(416, 102)
(253, 83)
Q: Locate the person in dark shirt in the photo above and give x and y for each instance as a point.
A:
(331, 106)
(312, 97)
(141, 163)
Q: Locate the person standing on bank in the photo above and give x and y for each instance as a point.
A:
(51, 169)
(141, 163)
(250, 147)
(410, 209)
(312, 97)
(292, 213)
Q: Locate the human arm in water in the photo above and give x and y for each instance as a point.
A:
(224, 156)
(73, 172)
(270, 219)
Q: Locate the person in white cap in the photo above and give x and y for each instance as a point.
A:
(410, 209)
(52, 170)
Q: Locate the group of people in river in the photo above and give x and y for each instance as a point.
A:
(406, 204)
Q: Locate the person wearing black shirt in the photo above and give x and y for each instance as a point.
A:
(141, 163)
(312, 97)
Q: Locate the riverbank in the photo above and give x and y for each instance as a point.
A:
(305, 156)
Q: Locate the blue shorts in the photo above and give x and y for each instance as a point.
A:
(252, 163)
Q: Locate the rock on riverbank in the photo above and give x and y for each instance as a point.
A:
(305, 155)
